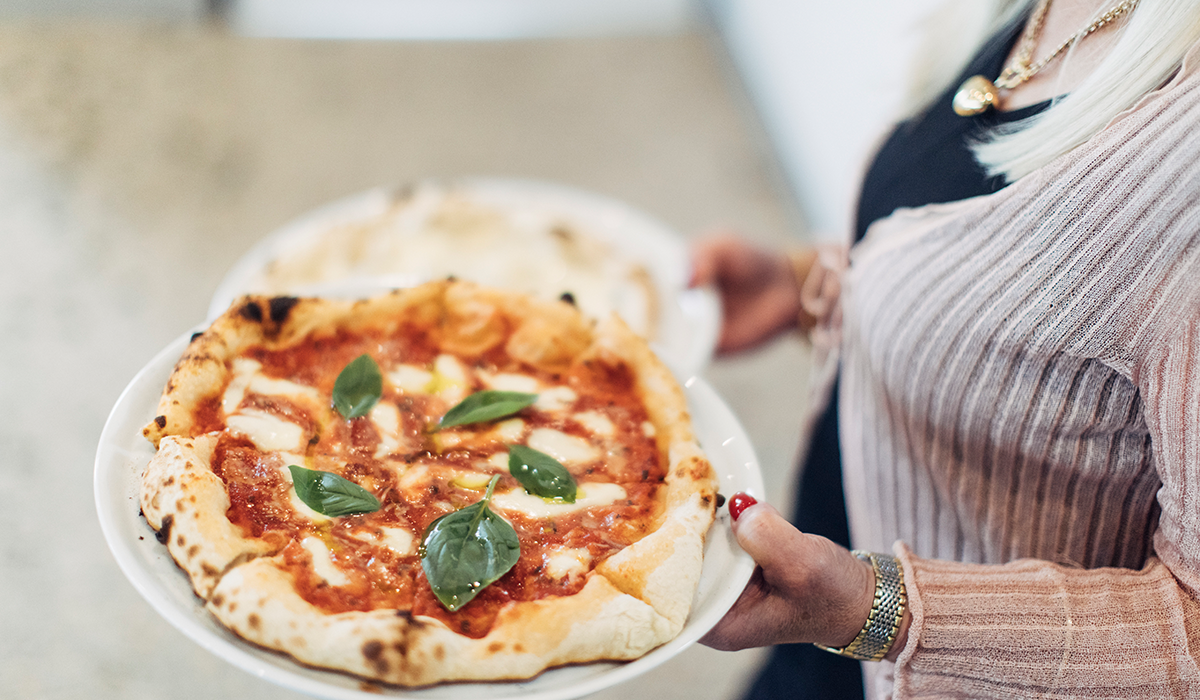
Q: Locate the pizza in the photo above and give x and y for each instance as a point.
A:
(442, 483)
(496, 237)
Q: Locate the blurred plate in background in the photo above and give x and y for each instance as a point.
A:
(534, 237)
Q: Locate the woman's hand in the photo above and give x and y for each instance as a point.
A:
(805, 588)
(764, 293)
(759, 293)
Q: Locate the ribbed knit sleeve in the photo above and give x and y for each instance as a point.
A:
(1020, 412)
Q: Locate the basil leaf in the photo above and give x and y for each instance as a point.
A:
(358, 387)
(484, 406)
(466, 550)
(541, 474)
(329, 494)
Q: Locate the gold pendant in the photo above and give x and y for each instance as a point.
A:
(976, 95)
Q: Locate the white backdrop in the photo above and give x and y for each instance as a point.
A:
(828, 79)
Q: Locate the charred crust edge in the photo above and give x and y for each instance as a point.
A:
(252, 311)
(280, 307)
(163, 533)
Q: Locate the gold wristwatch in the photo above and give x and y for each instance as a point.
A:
(875, 639)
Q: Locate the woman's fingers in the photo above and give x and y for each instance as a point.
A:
(759, 298)
(712, 255)
(805, 589)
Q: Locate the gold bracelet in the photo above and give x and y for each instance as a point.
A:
(875, 639)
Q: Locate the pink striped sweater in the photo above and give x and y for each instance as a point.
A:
(1020, 411)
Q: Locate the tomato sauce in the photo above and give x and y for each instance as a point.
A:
(419, 483)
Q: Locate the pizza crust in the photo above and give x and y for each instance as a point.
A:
(185, 503)
(257, 602)
(631, 602)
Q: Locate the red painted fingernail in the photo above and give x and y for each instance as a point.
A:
(739, 502)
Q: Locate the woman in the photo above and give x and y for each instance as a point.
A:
(1018, 399)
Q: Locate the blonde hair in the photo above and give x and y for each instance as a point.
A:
(1149, 50)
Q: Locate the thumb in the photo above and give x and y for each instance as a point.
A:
(767, 536)
(812, 578)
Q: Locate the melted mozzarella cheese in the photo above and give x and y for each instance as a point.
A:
(597, 423)
(243, 371)
(443, 440)
(499, 460)
(513, 382)
(648, 429)
(249, 379)
(450, 379)
(557, 398)
(386, 418)
(322, 562)
(561, 563)
(411, 379)
(268, 432)
(414, 477)
(511, 430)
(567, 449)
(397, 539)
(587, 496)
(476, 481)
(266, 386)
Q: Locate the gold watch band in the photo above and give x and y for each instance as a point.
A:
(875, 639)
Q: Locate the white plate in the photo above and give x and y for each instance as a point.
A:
(688, 321)
(123, 453)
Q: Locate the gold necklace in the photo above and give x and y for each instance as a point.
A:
(977, 94)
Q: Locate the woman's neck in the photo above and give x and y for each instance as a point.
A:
(1063, 74)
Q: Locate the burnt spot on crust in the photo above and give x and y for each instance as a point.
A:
(567, 298)
(195, 335)
(163, 534)
(217, 600)
(160, 421)
(193, 551)
(280, 307)
(372, 651)
(253, 620)
(180, 540)
(693, 469)
(495, 648)
(209, 570)
(720, 500)
(252, 311)
(439, 652)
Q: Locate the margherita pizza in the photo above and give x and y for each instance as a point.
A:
(443, 483)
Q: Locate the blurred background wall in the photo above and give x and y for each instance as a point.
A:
(826, 78)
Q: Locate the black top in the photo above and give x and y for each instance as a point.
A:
(927, 159)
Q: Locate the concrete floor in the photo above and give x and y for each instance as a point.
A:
(138, 162)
